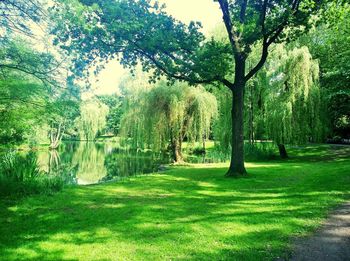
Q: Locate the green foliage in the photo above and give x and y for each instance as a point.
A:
(62, 112)
(92, 119)
(18, 16)
(21, 176)
(339, 111)
(115, 105)
(17, 57)
(29, 98)
(159, 116)
(253, 21)
(223, 124)
(143, 33)
(293, 103)
(329, 43)
(260, 151)
(22, 104)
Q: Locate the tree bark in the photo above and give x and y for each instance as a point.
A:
(283, 151)
(177, 151)
(237, 168)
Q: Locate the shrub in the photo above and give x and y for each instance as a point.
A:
(20, 175)
(198, 151)
(260, 151)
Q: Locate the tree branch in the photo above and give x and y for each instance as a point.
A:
(243, 11)
(176, 76)
(228, 24)
(271, 37)
(261, 62)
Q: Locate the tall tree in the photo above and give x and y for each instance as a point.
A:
(141, 31)
(292, 100)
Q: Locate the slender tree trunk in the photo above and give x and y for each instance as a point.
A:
(176, 146)
(251, 116)
(283, 151)
(56, 136)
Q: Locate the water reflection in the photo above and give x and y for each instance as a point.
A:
(90, 159)
(87, 163)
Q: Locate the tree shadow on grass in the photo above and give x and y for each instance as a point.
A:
(183, 214)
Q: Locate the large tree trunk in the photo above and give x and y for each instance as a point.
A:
(283, 151)
(237, 168)
(176, 147)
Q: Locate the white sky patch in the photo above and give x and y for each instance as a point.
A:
(205, 11)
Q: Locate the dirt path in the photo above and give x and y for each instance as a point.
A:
(330, 243)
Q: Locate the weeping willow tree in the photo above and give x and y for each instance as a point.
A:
(223, 123)
(133, 88)
(293, 105)
(161, 117)
(92, 119)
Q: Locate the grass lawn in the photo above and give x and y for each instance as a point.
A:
(185, 213)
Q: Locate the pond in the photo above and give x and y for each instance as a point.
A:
(87, 163)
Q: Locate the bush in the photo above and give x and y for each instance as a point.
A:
(20, 176)
(198, 151)
(260, 151)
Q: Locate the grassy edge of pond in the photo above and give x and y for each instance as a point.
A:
(190, 212)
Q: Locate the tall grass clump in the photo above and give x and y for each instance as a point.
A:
(260, 151)
(20, 175)
(253, 151)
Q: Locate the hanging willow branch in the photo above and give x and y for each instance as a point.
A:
(161, 117)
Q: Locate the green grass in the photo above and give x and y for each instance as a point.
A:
(187, 213)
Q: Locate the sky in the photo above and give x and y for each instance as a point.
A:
(205, 11)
